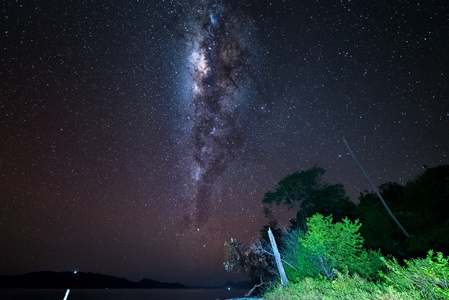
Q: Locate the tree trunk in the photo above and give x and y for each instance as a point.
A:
(277, 256)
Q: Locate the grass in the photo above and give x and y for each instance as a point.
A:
(344, 287)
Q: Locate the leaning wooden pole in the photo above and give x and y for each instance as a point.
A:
(277, 256)
(372, 184)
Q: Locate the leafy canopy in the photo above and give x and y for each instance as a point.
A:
(306, 192)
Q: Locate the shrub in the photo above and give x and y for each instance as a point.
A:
(342, 287)
(329, 247)
(428, 277)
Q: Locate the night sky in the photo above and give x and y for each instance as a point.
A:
(137, 136)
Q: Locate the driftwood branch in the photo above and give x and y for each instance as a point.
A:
(277, 256)
(255, 287)
(265, 251)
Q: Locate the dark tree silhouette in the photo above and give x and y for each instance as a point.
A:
(306, 192)
(422, 205)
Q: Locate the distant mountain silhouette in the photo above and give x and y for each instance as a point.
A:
(152, 284)
(71, 280)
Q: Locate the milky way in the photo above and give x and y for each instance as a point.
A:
(219, 64)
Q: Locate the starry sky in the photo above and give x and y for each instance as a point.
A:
(137, 136)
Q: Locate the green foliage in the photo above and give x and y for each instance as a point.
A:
(342, 287)
(329, 247)
(326, 260)
(428, 277)
(418, 279)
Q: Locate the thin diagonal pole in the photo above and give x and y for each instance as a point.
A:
(372, 184)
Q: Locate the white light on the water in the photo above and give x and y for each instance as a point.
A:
(66, 294)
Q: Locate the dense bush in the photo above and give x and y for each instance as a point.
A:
(329, 262)
(329, 247)
(427, 277)
(418, 279)
(342, 287)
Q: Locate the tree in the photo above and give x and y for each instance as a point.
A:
(426, 200)
(306, 192)
(255, 259)
(379, 229)
(430, 192)
(422, 205)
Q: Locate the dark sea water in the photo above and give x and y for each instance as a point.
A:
(141, 294)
